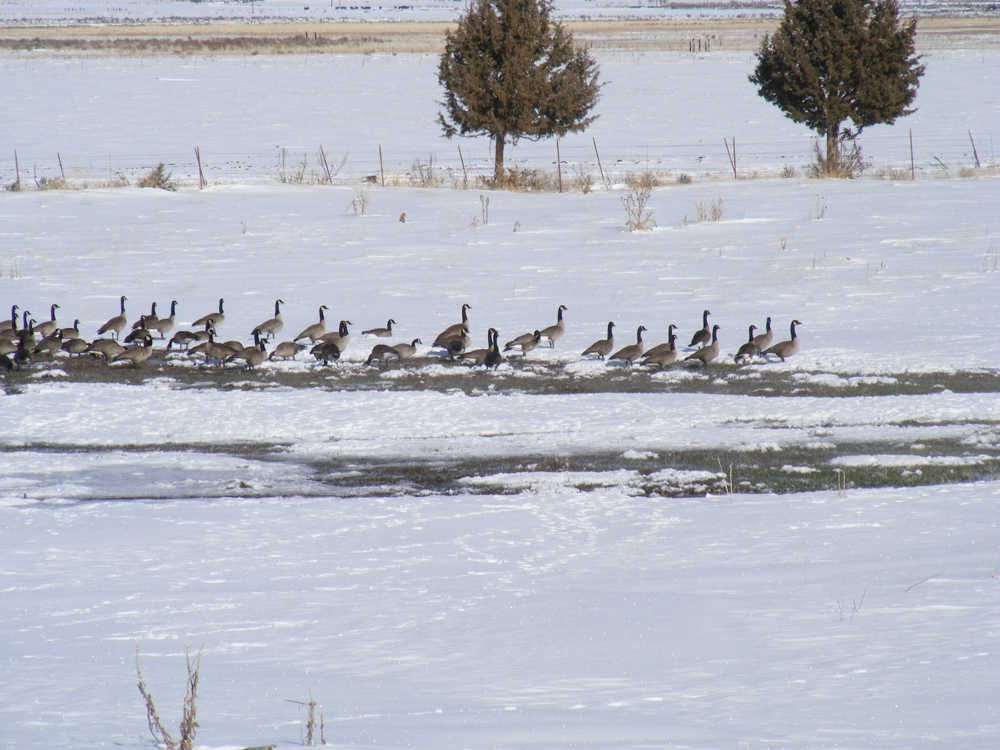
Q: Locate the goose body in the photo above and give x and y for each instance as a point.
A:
(785, 349)
(107, 348)
(146, 321)
(256, 356)
(184, 339)
(493, 356)
(763, 340)
(516, 343)
(49, 345)
(707, 353)
(138, 331)
(71, 333)
(457, 343)
(325, 351)
(380, 332)
(268, 328)
(48, 327)
(631, 353)
(749, 348)
(663, 357)
(478, 356)
(286, 350)
(117, 323)
(381, 352)
(6, 325)
(555, 332)
(74, 346)
(704, 335)
(406, 351)
(454, 330)
(602, 347)
(340, 338)
(316, 330)
(213, 320)
(164, 325)
(137, 354)
(665, 347)
(8, 346)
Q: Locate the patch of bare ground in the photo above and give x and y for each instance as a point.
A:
(415, 37)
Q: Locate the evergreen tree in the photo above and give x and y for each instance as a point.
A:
(836, 60)
(510, 72)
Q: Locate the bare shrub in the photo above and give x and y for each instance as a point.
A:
(891, 173)
(712, 211)
(52, 183)
(637, 218)
(640, 180)
(788, 172)
(158, 177)
(189, 720)
(360, 203)
(684, 179)
(422, 174)
(308, 732)
(582, 181)
(521, 180)
(849, 162)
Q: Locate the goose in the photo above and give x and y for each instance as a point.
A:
(115, 324)
(456, 344)
(107, 348)
(184, 339)
(74, 345)
(763, 340)
(71, 333)
(138, 332)
(516, 343)
(22, 355)
(27, 334)
(749, 348)
(164, 325)
(406, 351)
(381, 352)
(478, 356)
(785, 349)
(243, 351)
(707, 353)
(6, 363)
(146, 321)
(380, 332)
(493, 357)
(555, 332)
(631, 353)
(212, 349)
(48, 327)
(665, 347)
(531, 344)
(8, 346)
(49, 345)
(270, 327)
(704, 335)
(286, 350)
(214, 319)
(341, 337)
(316, 330)
(454, 330)
(663, 357)
(256, 355)
(602, 347)
(6, 325)
(325, 351)
(137, 354)
(236, 346)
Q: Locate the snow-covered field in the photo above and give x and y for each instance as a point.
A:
(445, 559)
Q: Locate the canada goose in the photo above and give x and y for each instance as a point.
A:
(522, 339)
(107, 348)
(493, 357)
(270, 327)
(116, 323)
(6, 325)
(184, 339)
(663, 357)
(286, 350)
(406, 351)
(531, 344)
(454, 330)
(146, 321)
(212, 349)
(668, 346)
(214, 319)
(316, 330)
(478, 356)
(243, 351)
(602, 347)
(785, 349)
(8, 346)
(256, 356)
(138, 332)
(381, 352)
(341, 337)
(749, 348)
(6, 363)
(22, 355)
(27, 334)
(49, 345)
(631, 353)
(164, 325)
(555, 332)
(325, 351)
(137, 354)
(71, 333)
(704, 335)
(49, 326)
(380, 332)
(763, 340)
(707, 353)
(74, 345)
(456, 344)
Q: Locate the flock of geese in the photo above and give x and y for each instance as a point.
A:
(21, 345)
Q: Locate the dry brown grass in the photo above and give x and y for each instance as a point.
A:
(189, 717)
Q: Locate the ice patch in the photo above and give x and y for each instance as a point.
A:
(894, 460)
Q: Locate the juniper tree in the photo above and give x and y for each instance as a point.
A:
(509, 71)
(831, 61)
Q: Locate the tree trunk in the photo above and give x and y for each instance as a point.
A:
(833, 150)
(498, 159)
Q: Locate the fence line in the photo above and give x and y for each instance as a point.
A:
(462, 162)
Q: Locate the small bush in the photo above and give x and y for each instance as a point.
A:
(684, 179)
(710, 212)
(788, 172)
(55, 183)
(637, 218)
(640, 180)
(422, 174)
(521, 180)
(360, 203)
(850, 164)
(891, 173)
(582, 181)
(157, 177)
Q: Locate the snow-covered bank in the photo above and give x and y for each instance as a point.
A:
(570, 619)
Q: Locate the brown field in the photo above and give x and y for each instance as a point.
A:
(414, 37)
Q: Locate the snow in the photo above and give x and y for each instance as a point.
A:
(517, 604)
